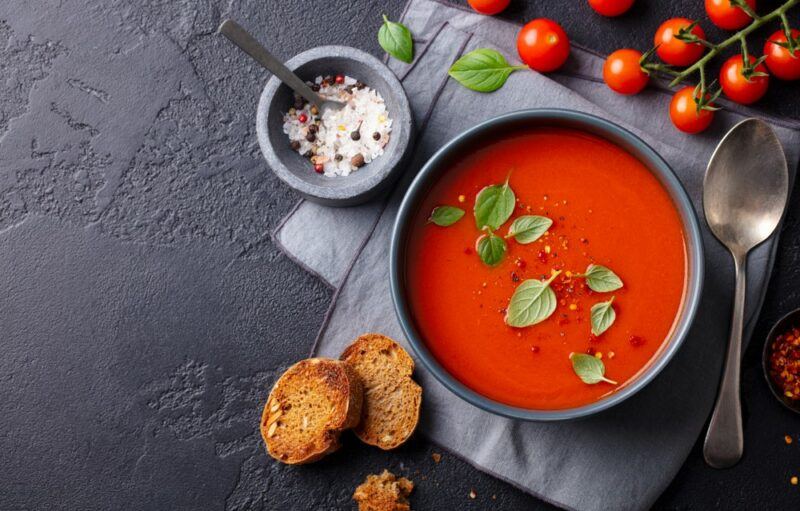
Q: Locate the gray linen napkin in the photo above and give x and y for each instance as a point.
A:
(625, 457)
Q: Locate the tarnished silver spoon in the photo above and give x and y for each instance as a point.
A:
(248, 44)
(744, 195)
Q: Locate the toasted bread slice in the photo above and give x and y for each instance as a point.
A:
(391, 398)
(384, 492)
(307, 409)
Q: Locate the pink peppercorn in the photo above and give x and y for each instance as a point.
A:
(318, 168)
(302, 117)
(339, 78)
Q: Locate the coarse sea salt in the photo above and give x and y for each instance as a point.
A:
(342, 140)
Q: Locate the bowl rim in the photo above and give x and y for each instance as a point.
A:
(350, 193)
(654, 162)
(788, 319)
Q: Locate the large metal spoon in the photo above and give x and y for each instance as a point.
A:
(744, 194)
(248, 44)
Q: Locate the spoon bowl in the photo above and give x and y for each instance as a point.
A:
(746, 185)
(744, 196)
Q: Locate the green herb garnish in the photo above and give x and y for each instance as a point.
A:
(482, 70)
(491, 248)
(396, 40)
(529, 228)
(445, 216)
(494, 205)
(532, 302)
(603, 316)
(589, 369)
(601, 279)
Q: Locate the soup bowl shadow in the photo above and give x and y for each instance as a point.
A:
(440, 162)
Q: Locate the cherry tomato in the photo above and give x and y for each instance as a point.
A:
(623, 73)
(727, 16)
(611, 8)
(782, 64)
(673, 51)
(684, 114)
(543, 45)
(489, 7)
(738, 88)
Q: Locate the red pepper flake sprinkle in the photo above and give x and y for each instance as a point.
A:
(590, 351)
(542, 256)
(784, 363)
(468, 251)
(593, 338)
(534, 349)
(636, 340)
(520, 263)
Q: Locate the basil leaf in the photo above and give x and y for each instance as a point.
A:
(589, 369)
(445, 216)
(494, 205)
(601, 279)
(603, 316)
(532, 302)
(396, 40)
(491, 249)
(482, 70)
(529, 228)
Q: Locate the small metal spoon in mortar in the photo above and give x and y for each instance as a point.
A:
(744, 195)
(248, 44)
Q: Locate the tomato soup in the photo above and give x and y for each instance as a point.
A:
(607, 209)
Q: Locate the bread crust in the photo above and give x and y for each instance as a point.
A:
(308, 407)
(392, 400)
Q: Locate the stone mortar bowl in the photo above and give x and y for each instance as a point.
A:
(295, 170)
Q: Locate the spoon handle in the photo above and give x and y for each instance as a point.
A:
(724, 442)
(248, 44)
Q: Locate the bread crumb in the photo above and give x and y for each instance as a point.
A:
(384, 492)
(436, 457)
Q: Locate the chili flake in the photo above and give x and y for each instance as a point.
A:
(784, 363)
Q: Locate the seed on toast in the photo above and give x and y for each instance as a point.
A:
(384, 492)
(392, 399)
(308, 407)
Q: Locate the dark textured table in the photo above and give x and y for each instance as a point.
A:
(144, 310)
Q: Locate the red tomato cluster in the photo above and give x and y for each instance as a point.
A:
(679, 42)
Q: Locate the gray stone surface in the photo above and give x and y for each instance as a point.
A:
(144, 310)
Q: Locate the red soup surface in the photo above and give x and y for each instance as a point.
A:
(607, 209)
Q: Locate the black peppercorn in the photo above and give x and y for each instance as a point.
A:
(360, 85)
(295, 145)
(376, 136)
(357, 160)
(311, 137)
(338, 157)
(315, 87)
(308, 154)
(312, 128)
(355, 135)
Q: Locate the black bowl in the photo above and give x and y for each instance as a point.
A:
(790, 320)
